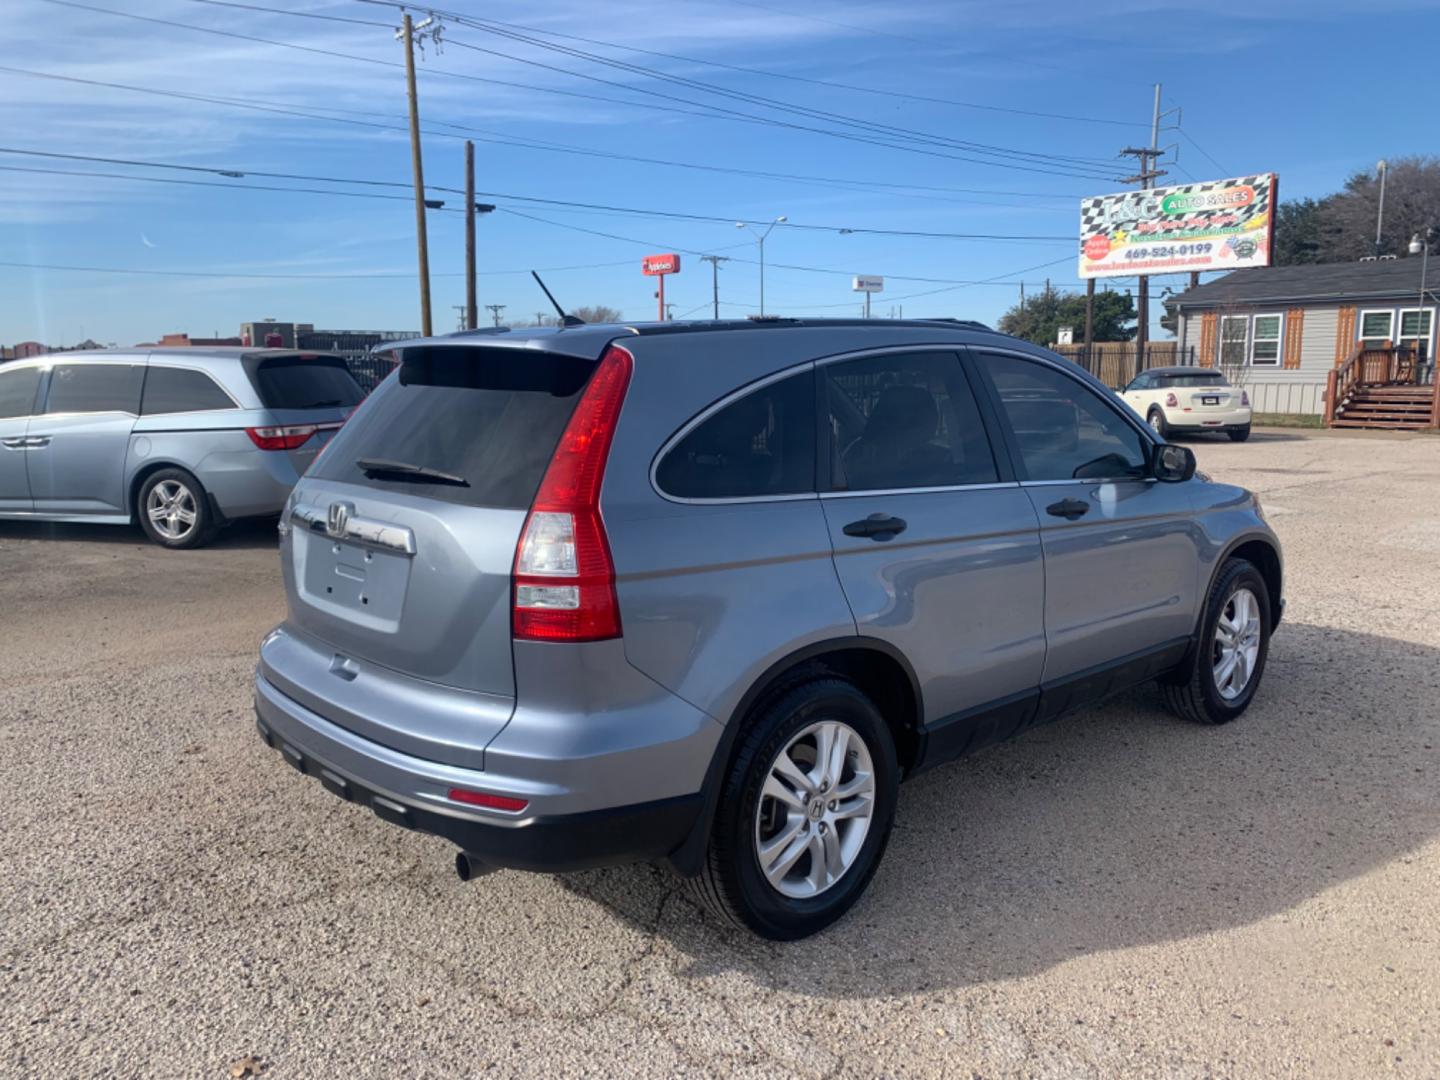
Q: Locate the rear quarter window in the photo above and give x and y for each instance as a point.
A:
(305, 382)
(181, 390)
(760, 444)
(491, 417)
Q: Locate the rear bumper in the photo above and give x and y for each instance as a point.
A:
(1228, 420)
(555, 844)
(248, 483)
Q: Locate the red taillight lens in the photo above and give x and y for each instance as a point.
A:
(1244, 399)
(281, 438)
(1171, 400)
(564, 577)
(485, 799)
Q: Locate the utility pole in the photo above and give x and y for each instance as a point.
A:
(715, 261)
(669, 312)
(406, 34)
(539, 318)
(1089, 321)
(471, 311)
(1148, 156)
(495, 309)
(463, 317)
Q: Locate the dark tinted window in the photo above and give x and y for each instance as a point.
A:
(1065, 430)
(17, 391)
(1199, 378)
(760, 444)
(489, 416)
(176, 390)
(305, 382)
(904, 421)
(87, 388)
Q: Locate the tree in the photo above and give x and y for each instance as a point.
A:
(597, 313)
(1299, 232)
(1041, 316)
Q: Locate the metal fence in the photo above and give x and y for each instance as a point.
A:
(368, 368)
(1115, 363)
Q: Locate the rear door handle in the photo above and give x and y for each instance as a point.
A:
(876, 527)
(13, 444)
(1069, 509)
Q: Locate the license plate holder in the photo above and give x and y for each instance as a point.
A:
(1210, 400)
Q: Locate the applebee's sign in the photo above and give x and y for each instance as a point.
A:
(655, 265)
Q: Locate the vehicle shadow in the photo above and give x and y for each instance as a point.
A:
(247, 534)
(1256, 436)
(1117, 827)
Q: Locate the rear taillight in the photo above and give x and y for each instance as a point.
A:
(564, 577)
(1244, 399)
(1171, 400)
(281, 438)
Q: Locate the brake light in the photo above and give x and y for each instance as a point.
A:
(281, 438)
(1171, 400)
(1244, 399)
(564, 576)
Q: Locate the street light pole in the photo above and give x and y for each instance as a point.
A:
(1381, 167)
(760, 239)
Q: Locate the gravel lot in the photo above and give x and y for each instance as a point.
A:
(1117, 894)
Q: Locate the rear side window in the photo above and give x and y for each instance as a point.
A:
(17, 391)
(179, 390)
(305, 382)
(904, 421)
(761, 444)
(93, 388)
(487, 417)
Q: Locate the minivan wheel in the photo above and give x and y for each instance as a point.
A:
(804, 814)
(173, 510)
(1218, 681)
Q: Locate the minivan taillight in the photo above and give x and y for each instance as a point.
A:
(281, 438)
(564, 578)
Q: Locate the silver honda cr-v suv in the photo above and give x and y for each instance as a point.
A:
(181, 440)
(706, 593)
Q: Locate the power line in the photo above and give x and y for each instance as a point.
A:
(1191, 140)
(487, 136)
(384, 63)
(600, 207)
(832, 84)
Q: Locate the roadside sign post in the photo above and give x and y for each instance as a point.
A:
(660, 266)
(867, 284)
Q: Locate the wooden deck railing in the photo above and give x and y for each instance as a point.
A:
(1383, 366)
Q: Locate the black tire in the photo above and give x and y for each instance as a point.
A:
(1156, 419)
(731, 883)
(1190, 691)
(1239, 434)
(193, 499)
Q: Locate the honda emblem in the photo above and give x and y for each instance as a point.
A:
(338, 518)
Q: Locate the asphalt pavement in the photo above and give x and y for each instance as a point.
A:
(1118, 894)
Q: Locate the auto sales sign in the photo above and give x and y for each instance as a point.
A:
(1217, 225)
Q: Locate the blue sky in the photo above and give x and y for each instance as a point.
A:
(1262, 86)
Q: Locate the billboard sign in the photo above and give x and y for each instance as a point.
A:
(655, 265)
(1216, 225)
(868, 283)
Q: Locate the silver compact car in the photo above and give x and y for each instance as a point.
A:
(181, 440)
(706, 593)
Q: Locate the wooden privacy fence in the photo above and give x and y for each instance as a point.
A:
(1115, 363)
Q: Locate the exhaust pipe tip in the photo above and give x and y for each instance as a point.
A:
(468, 867)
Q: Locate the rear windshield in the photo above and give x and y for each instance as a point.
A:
(487, 417)
(304, 381)
(1166, 382)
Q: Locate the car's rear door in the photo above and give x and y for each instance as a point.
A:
(77, 444)
(936, 546)
(1121, 549)
(18, 388)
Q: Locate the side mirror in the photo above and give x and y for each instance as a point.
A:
(1172, 464)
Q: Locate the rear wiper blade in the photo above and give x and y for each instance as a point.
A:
(420, 473)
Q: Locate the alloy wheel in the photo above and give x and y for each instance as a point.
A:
(171, 509)
(815, 809)
(1237, 644)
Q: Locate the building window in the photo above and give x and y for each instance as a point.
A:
(1233, 332)
(1417, 325)
(1376, 328)
(1265, 340)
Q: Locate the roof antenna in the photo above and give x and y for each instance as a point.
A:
(565, 320)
